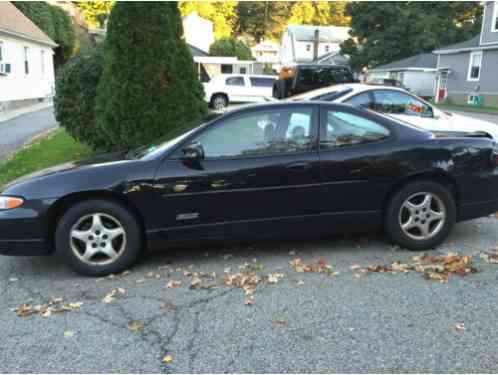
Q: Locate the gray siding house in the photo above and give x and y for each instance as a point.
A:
(468, 72)
(416, 73)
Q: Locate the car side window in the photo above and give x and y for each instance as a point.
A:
(344, 129)
(363, 100)
(261, 82)
(260, 133)
(235, 81)
(399, 103)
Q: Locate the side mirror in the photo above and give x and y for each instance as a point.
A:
(193, 152)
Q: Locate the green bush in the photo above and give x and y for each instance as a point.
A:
(74, 102)
(149, 85)
(231, 47)
(54, 22)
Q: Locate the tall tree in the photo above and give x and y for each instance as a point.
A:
(231, 47)
(319, 13)
(384, 32)
(149, 85)
(221, 13)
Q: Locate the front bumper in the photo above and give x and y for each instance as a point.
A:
(25, 230)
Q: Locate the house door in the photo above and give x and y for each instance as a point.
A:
(442, 87)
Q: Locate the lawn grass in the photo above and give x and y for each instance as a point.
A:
(56, 148)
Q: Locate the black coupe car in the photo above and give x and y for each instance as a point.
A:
(260, 171)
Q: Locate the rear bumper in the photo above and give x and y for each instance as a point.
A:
(476, 210)
(24, 230)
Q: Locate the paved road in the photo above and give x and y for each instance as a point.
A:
(376, 323)
(14, 133)
(493, 118)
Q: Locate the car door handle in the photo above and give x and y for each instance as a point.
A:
(299, 166)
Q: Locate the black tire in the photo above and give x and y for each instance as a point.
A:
(219, 102)
(393, 217)
(131, 239)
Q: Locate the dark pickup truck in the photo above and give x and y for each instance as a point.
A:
(301, 78)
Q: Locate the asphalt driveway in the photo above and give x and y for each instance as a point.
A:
(305, 322)
(14, 133)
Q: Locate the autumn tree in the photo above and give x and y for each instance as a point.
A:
(325, 13)
(95, 12)
(384, 32)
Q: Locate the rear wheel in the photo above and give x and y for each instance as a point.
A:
(219, 102)
(98, 237)
(420, 215)
(279, 89)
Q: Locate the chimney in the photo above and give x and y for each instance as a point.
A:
(316, 42)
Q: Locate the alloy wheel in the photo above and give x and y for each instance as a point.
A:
(98, 239)
(422, 216)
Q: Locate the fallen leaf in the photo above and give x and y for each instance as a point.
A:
(109, 297)
(173, 284)
(135, 325)
(68, 333)
(460, 327)
(280, 321)
(167, 359)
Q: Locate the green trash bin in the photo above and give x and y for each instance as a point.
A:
(477, 100)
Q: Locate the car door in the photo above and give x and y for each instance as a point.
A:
(261, 88)
(408, 108)
(259, 175)
(236, 88)
(356, 167)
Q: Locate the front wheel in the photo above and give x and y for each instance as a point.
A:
(420, 215)
(98, 237)
(219, 102)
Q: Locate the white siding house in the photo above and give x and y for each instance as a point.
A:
(198, 31)
(298, 42)
(26, 61)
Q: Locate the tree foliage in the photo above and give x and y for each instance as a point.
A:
(323, 13)
(385, 32)
(149, 84)
(54, 22)
(231, 47)
(74, 102)
(95, 12)
(221, 13)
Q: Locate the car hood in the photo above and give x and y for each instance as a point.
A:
(71, 166)
(462, 123)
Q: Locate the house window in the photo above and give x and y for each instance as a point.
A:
(42, 58)
(474, 66)
(26, 63)
(494, 21)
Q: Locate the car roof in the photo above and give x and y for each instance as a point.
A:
(355, 87)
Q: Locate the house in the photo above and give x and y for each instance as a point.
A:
(306, 43)
(26, 62)
(198, 31)
(467, 72)
(267, 52)
(416, 73)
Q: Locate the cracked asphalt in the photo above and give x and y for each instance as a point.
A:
(375, 323)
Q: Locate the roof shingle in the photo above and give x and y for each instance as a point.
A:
(12, 21)
(422, 61)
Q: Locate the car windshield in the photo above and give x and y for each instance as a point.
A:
(170, 140)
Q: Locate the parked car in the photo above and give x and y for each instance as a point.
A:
(402, 105)
(302, 78)
(260, 171)
(242, 88)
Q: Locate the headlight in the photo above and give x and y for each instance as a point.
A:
(8, 203)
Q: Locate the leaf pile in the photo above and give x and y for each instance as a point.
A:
(55, 306)
(320, 267)
(433, 267)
